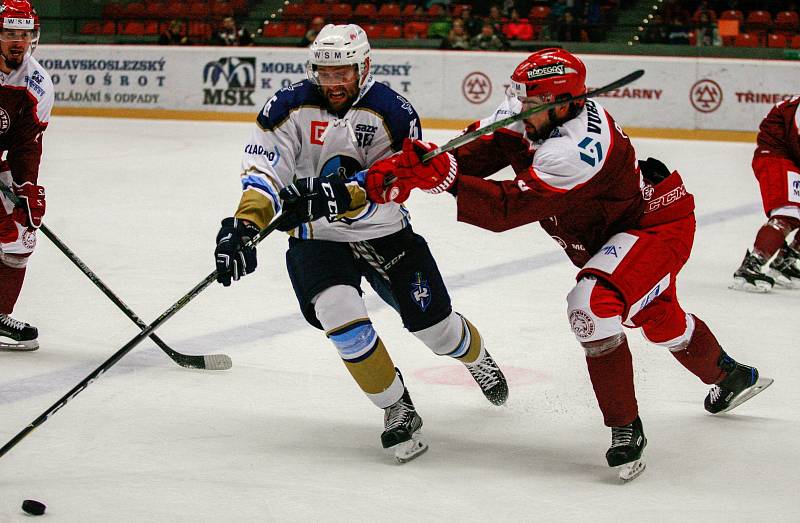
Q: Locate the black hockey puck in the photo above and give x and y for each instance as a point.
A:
(33, 507)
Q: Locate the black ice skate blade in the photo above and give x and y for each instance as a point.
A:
(748, 393)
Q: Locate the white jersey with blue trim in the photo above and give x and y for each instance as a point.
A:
(297, 137)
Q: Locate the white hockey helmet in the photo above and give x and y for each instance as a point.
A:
(339, 45)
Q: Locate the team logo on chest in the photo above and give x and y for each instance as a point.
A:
(5, 121)
(421, 292)
(317, 128)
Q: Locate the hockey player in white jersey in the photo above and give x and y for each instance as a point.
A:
(311, 138)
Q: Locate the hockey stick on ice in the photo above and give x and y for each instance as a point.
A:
(209, 361)
(470, 136)
(147, 331)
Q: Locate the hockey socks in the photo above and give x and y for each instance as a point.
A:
(612, 379)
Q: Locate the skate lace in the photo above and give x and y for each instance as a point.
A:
(715, 393)
(398, 415)
(621, 436)
(8, 321)
(485, 372)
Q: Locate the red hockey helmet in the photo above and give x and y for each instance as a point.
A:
(19, 15)
(551, 75)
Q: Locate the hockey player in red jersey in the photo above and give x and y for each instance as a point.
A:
(628, 226)
(26, 98)
(776, 164)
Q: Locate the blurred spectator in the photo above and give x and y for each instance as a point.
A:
(472, 24)
(678, 32)
(508, 7)
(496, 19)
(569, 30)
(487, 40)
(655, 32)
(706, 31)
(704, 11)
(230, 34)
(317, 23)
(518, 29)
(173, 35)
(457, 38)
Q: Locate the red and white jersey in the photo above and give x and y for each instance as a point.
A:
(779, 132)
(581, 183)
(776, 162)
(26, 100)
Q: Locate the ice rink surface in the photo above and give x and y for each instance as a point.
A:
(285, 435)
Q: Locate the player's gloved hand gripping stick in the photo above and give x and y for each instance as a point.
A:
(380, 182)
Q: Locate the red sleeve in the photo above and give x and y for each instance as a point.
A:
(25, 149)
(503, 205)
(777, 132)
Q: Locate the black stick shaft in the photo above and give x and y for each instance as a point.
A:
(468, 137)
(99, 371)
(94, 278)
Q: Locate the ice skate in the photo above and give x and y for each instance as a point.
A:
(627, 444)
(785, 268)
(16, 335)
(750, 276)
(489, 378)
(402, 429)
(740, 384)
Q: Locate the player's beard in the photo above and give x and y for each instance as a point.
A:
(14, 56)
(340, 97)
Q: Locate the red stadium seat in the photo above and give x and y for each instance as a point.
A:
(786, 22)
(435, 11)
(91, 28)
(274, 30)
(732, 14)
(341, 12)
(155, 9)
(108, 28)
(318, 9)
(393, 31)
(113, 10)
(539, 13)
(293, 12)
(176, 9)
(151, 27)
(296, 30)
(795, 43)
(776, 40)
(366, 11)
(199, 30)
(758, 21)
(134, 28)
(221, 9)
(414, 30)
(746, 40)
(373, 30)
(135, 9)
(390, 11)
(198, 10)
(408, 10)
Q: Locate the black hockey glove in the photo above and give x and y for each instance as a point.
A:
(309, 199)
(234, 260)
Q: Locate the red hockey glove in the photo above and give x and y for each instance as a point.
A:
(31, 209)
(437, 175)
(383, 185)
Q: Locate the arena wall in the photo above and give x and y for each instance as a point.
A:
(717, 98)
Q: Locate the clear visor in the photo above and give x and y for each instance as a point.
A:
(18, 35)
(530, 102)
(334, 75)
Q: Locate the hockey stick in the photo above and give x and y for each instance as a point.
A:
(209, 361)
(149, 329)
(470, 136)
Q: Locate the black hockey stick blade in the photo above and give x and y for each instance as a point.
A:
(470, 136)
(114, 358)
(208, 362)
